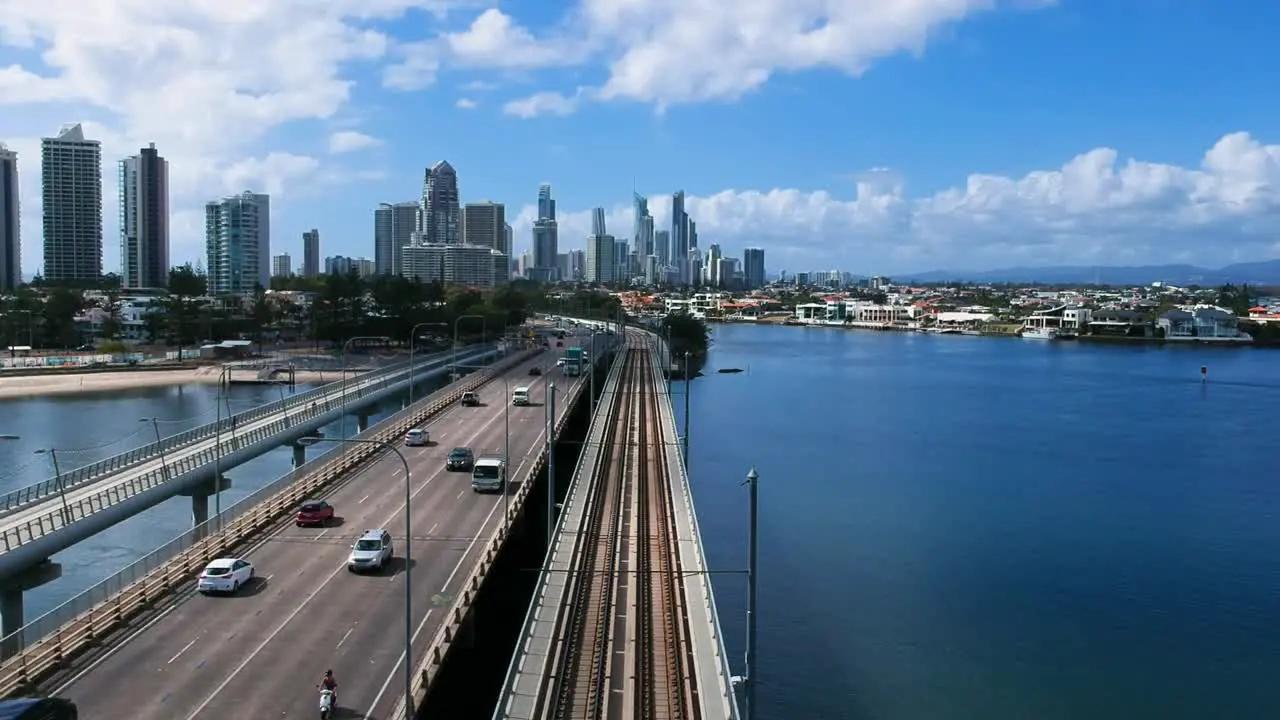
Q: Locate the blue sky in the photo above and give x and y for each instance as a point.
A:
(874, 136)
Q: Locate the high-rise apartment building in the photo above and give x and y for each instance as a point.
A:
(311, 253)
(473, 265)
(508, 239)
(679, 238)
(600, 264)
(393, 228)
(546, 240)
(10, 222)
(281, 266)
(439, 214)
(237, 233)
(546, 203)
(576, 267)
(753, 268)
(71, 191)
(144, 220)
(486, 225)
(662, 248)
(712, 271)
(597, 223)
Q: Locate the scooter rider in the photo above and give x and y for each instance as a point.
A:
(328, 683)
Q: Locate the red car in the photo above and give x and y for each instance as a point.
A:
(314, 512)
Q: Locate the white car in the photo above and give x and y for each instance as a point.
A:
(225, 575)
(417, 437)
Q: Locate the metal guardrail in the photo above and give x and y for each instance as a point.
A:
(67, 513)
(71, 479)
(58, 635)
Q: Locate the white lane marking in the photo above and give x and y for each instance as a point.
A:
(179, 653)
(314, 593)
(460, 492)
(322, 532)
(361, 500)
(396, 472)
(180, 599)
(345, 635)
(432, 531)
(400, 705)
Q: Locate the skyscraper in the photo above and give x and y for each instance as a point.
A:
(662, 249)
(237, 233)
(546, 240)
(713, 276)
(600, 265)
(597, 222)
(679, 238)
(144, 220)
(281, 266)
(753, 268)
(393, 228)
(71, 190)
(311, 253)
(546, 203)
(439, 214)
(508, 239)
(10, 222)
(486, 224)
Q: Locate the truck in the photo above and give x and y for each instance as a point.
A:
(488, 474)
(574, 362)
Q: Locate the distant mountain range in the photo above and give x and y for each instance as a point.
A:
(1266, 272)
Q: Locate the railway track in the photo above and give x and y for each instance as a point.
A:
(624, 634)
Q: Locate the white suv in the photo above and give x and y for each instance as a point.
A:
(371, 551)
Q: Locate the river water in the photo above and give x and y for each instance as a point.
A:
(951, 527)
(965, 527)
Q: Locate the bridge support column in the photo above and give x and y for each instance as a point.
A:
(12, 607)
(362, 422)
(200, 503)
(299, 455)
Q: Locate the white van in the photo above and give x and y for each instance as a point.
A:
(520, 396)
(488, 474)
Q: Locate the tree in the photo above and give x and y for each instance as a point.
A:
(185, 287)
(60, 311)
(687, 333)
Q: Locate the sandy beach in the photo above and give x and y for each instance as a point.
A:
(36, 385)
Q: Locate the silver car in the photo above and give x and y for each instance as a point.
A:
(371, 551)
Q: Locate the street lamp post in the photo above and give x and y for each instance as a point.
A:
(686, 408)
(484, 331)
(551, 466)
(345, 345)
(408, 562)
(413, 345)
(164, 462)
(62, 489)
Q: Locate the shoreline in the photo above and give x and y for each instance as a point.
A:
(26, 386)
(1102, 339)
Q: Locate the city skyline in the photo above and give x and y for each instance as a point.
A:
(914, 136)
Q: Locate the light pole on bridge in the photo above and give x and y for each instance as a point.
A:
(408, 560)
(345, 345)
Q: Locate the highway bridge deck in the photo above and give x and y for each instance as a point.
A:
(623, 622)
(35, 525)
(261, 653)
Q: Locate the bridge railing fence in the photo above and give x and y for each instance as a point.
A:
(100, 594)
(76, 477)
(236, 440)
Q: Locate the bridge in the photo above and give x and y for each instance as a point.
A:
(40, 520)
(623, 622)
(257, 654)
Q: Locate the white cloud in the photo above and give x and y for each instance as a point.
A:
(1096, 209)
(206, 82)
(667, 52)
(467, 104)
(345, 141)
(543, 103)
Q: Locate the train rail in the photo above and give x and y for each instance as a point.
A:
(625, 650)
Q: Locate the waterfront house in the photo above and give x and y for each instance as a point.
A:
(1116, 322)
(811, 312)
(1201, 323)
